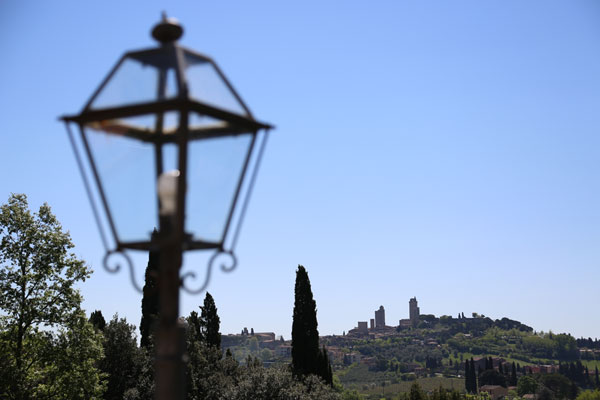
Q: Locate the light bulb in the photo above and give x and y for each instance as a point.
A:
(167, 192)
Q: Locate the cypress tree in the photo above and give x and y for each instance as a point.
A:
(473, 377)
(468, 377)
(587, 376)
(597, 378)
(195, 327)
(210, 322)
(324, 367)
(150, 299)
(513, 375)
(305, 336)
(97, 319)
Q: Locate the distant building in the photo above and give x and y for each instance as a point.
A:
(405, 323)
(495, 391)
(372, 323)
(262, 336)
(380, 318)
(283, 351)
(413, 311)
(269, 344)
(362, 327)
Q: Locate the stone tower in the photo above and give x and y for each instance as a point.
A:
(380, 318)
(413, 311)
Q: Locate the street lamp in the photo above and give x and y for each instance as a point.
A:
(168, 142)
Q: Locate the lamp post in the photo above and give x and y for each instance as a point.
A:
(168, 142)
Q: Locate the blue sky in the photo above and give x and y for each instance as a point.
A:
(443, 150)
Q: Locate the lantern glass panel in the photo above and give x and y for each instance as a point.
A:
(137, 80)
(127, 172)
(215, 169)
(206, 85)
(197, 122)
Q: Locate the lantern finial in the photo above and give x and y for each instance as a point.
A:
(167, 30)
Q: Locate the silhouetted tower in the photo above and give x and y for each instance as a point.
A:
(413, 311)
(380, 318)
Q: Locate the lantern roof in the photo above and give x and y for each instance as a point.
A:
(168, 78)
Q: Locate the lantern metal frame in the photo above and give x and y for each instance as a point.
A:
(231, 124)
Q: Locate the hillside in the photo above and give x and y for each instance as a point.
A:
(434, 353)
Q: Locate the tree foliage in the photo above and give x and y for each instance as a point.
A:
(150, 299)
(41, 321)
(210, 322)
(97, 320)
(68, 370)
(589, 395)
(305, 336)
(122, 359)
(526, 385)
(491, 377)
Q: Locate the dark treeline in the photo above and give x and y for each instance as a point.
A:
(50, 349)
(588, 343)
(579, 374)
(211, 373)
(566, 384)
(476, 325)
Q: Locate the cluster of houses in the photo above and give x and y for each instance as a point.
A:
(266, 340)
(480, 363)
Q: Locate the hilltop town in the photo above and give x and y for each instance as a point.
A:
(424, 345)
(378, 328)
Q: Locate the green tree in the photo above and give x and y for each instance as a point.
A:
(324, 367)
(513, 375)
(467, 377)
(67, 370)
(97, 320)
(416, 393)
(144, 387)
(253, 345)
(210, 322)
(491, 377)
(38, 274)
(565, 347)
(472, 376)
(122, 358)
(208, 374)
(526, 385)
(305, 336)
(259, 383)
(560, 385)
(150, 299)
(265, 354)
(589, 395)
